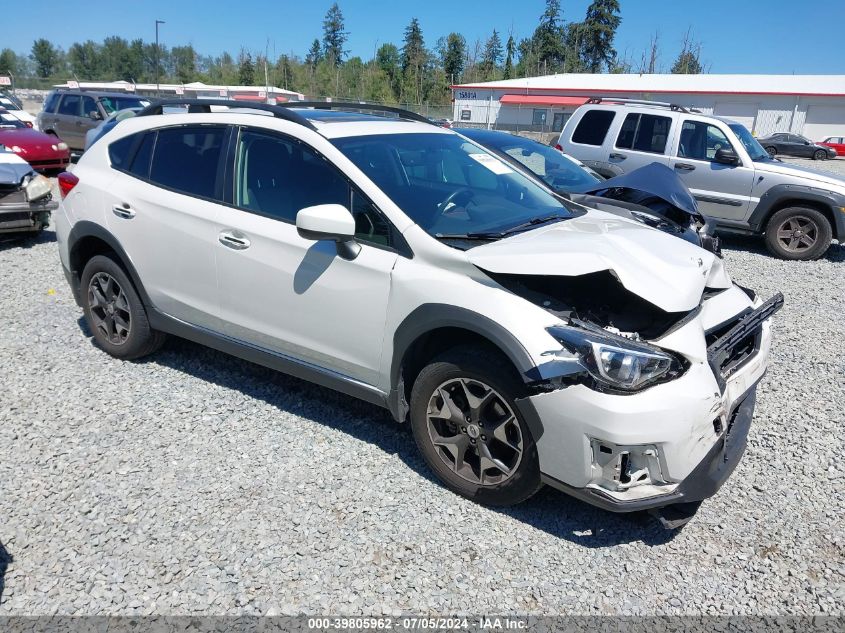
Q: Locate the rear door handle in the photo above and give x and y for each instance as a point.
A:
(235, 241)
(684, 166)
(618, 156)
(123, 211)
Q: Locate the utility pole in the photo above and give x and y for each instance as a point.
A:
(158, 91)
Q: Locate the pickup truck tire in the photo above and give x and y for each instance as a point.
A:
(114, 312)
(798, 233)
(470, 431)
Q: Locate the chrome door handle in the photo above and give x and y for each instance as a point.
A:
(235, 241)
(618, 156)
(684, 166)
(123, 211)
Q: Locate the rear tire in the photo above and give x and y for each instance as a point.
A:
(798, 233)
(114, 312)
(469, 430)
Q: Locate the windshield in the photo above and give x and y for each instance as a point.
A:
(754, 149)
(8, 121)
(448, 185)
(555, 169)
(113, 104)
(9, 104)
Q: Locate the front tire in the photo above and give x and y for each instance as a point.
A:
(114, 311)
(820, 155)
(772, 151)
(469, 430)
(798, 233)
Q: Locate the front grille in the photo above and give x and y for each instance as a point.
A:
(732, 344)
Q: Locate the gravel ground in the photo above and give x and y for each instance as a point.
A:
(193, 482)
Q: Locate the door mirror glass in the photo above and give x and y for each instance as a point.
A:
(329, 222)
(726, 156)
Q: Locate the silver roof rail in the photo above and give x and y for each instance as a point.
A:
(659, 104)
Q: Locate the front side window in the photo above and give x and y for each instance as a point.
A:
(701, 141)
(51, 102)
(277, 176)
(448, 185)
(186, 159)
(751, 144)
(88, 106)
(70, 105)
(593, 127)
(113, 104)
(644, 133)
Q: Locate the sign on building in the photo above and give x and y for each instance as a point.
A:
(5, 81)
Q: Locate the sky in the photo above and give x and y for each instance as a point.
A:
(737, 36)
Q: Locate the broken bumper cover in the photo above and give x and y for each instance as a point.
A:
(672, 443)
(20, 215)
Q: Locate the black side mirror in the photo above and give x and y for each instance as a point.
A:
(726, 156)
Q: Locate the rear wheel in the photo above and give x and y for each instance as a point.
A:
(772, 151)
(820, 155)
(469, 430)
(114, 311)
(798, 233)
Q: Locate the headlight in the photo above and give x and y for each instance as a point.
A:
(616, 361)
(62, 146)
(17, 149)
(37, 188)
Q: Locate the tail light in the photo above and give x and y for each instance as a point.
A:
(28, 123)
(67, 181)
(558, 147)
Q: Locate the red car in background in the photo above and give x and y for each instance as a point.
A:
(41, 151)
(836, 142)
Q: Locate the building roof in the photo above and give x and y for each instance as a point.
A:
(803, 85)
(196, 86)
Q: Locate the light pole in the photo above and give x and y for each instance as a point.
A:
(157, 55)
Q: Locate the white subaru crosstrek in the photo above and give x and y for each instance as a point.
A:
(526, 339)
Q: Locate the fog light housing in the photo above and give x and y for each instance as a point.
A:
(619, 468)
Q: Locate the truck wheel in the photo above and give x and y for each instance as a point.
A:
(820, 155)
(114, 311)
(469, 430)
(798, 233)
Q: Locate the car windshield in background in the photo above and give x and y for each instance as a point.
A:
(754, 149)
(451, 187)
(9, 104)
(113, 104)
(7, 121)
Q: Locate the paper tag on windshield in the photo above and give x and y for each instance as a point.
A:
(492, 163)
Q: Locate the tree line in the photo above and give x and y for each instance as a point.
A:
(410, 72)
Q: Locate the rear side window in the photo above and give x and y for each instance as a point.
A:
(644, 133)
(132, 153)
(70, 105)
(593, 127)
(50, 103)
(186, 159)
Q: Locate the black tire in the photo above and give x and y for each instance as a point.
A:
(490, 368)
(140, 339)
(810, 222)
(820, 154)
(772, 151)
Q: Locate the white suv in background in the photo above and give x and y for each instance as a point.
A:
(525, 338)
(734, 180)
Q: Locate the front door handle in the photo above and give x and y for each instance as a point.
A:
(684, 166)
(123, 211)
(235, 241)
(618, 156)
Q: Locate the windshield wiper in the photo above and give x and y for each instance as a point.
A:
(529, 225)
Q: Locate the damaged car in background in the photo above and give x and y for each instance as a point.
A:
(525, 338)
(25, 196)
(652, 194)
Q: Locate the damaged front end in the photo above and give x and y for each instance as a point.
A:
(26, 200)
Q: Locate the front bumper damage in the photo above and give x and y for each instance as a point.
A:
(25, 200)
(673, 444)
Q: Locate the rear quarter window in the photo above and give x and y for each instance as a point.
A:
(593, 127)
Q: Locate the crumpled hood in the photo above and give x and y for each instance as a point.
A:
(822, 178)
(12, 168)
(665, 271)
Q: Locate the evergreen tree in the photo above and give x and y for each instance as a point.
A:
(8, 62)
(314, 55)
(85, 60)
(510, 47)
(454, 56)
(414, 58)
(334, 36)
(388, 61)
(46, 58)
(246, 69)
(689, 59)
(492, 55)
(597, 33)
(548, 39)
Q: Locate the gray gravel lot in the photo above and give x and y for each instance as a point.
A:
(193, 482)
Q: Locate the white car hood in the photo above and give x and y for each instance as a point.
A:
(664, 270)
(828, 179)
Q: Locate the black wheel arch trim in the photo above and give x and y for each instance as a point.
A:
(85, 229)
(776, 195)
(433, 316)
